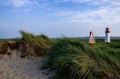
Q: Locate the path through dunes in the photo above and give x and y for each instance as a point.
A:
(21, 68)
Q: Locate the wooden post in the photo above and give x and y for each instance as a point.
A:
(90, 44)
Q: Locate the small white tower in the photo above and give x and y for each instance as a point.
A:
(107, 35)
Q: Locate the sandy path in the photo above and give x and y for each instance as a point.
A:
(21, 68)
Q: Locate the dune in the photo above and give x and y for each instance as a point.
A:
(14, 67)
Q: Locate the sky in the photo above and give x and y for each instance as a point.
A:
(56, 18)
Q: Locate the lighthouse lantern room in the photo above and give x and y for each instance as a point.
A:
(107, 35)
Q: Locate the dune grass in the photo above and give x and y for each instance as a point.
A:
(29, 45)
(72, 59)
(35, 44)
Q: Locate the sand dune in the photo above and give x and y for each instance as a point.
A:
(21, 68)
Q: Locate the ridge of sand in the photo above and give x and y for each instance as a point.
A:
(21, 68)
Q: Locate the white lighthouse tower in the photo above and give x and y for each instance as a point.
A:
(107, 35)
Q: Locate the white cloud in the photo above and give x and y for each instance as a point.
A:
(72, 0)
(108, 12)
(20, 3)
(92, 2)
(100, 15)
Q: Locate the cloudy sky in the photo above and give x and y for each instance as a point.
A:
(55, 18)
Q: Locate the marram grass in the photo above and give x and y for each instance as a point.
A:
(36, 45)
(71, 59)
(28, 45)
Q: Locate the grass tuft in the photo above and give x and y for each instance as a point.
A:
(73, 59)
(34, 45)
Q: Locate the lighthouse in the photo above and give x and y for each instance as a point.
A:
(107, 35)
(91, 39)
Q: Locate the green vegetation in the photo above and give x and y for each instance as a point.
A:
(74, 59)
(35, 45)
(69, 58)
(29, 45)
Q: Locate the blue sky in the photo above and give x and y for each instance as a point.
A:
(55, 18)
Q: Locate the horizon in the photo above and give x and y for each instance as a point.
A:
(71, 18)
(62, 36)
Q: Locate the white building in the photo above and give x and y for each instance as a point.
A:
(107, 35)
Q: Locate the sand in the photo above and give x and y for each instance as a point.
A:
(14, 67)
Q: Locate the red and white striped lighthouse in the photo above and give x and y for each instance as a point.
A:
(91, 39)
(107, 35)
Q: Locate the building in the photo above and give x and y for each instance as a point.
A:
(91, 39)
(107, 35)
